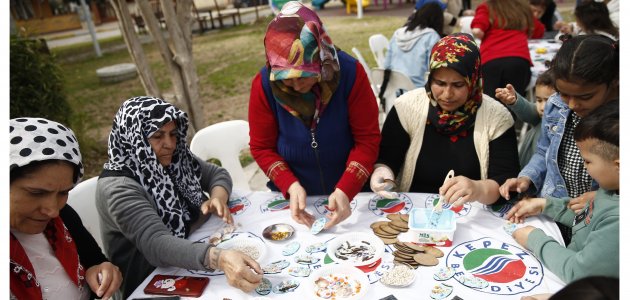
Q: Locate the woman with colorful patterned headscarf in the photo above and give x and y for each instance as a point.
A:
(150, 198)
(313, 116)
(448, 125)
(53, 256)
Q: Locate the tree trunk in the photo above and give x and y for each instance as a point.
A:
(173, 70)
(176, 52)
(135, 48)
(182, 55)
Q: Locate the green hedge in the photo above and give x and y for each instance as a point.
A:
(36, 82)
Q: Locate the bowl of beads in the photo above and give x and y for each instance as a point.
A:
(251, 246)
(401, 275)
(278, 232)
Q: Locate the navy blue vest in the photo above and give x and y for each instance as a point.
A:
(318, 170)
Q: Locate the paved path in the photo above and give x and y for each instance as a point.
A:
(110, 29)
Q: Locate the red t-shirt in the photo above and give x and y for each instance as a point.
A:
(499, 43)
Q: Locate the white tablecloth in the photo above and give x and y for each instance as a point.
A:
(479, 234)
(538, 59)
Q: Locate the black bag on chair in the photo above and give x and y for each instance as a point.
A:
(381, 92)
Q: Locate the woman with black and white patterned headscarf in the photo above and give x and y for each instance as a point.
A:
(150, 197)
(52, 255)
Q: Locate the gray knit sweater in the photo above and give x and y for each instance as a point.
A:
(134, 236)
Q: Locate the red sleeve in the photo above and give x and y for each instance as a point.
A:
(482, 18)
(539, 29)
(263, 138)
(363, 114)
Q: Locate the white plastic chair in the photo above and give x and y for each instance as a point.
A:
(379, 44)
(224, 141)
(373, 84)
(366, 68)
(397, 81)
(82, 199)
(464, 24)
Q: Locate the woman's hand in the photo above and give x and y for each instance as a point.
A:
(381, 182)
(339, 206)
(242, 271)
(577, 204)
(519, 185)
(526, 208)
(537, 297)
(566, 28)
(110, 280)
(297, 203)
(506, 95)
(522, 234)
(218, 204)
(459, 190)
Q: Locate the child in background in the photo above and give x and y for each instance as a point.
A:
(591, 17)
(528, 112)
(452, 10)
(545, 11)
(586, 72)
(596, 227)
(410, 45)
(503, 26)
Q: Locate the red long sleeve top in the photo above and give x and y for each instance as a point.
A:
(363, 120)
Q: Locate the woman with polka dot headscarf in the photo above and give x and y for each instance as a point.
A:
(53, 256)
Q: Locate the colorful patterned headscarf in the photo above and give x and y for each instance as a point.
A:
(297, 46)
(176, 188)
(459, 52)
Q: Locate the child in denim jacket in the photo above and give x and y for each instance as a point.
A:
(596, 227)
(586, 70)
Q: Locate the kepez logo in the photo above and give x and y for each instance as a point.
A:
(321, 205)
(276, 203)
(499, 210)
(381, 206)
(238, 205)
(459, 211)
(508, 269)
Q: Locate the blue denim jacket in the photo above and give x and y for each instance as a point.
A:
(542, 168)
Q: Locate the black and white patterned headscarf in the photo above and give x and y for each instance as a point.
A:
(37, 139)
(176, 188)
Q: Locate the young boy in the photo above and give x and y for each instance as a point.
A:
(594, 248)
(528, 112)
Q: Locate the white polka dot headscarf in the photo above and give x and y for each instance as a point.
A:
(37, 139)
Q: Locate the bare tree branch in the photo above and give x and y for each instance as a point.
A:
(135, 48)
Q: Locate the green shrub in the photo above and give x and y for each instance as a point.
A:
(36, 83)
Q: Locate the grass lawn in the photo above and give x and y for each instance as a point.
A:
(226, 62)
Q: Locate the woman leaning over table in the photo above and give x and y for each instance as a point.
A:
(150, 198)
(313, 118)
(448, 124)
(53, 256)
(503, 26)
